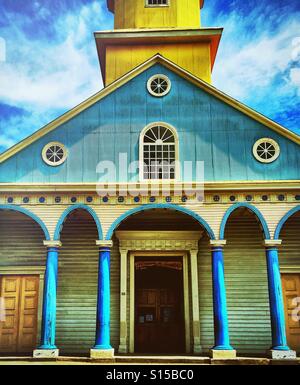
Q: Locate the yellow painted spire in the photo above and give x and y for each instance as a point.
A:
(144, 28)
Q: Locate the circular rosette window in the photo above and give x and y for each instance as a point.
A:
(266, 150)
(54, 154)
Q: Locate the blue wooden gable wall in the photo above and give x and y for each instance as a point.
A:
(209, 130)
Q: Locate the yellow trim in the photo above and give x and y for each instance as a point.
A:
(241, 185)
(126, 78)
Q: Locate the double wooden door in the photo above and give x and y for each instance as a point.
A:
(291, 294)
(19, 312)
(159, 321)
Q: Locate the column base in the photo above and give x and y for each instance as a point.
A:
(222, 354)
(102, 354)
(46, 353)
(123, 349)
(282, 354)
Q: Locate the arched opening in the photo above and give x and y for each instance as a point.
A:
(22, 266)
(247, 283)
(77, 283)
(289, 260)
(160, 311)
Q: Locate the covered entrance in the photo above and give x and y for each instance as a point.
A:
(159, 305)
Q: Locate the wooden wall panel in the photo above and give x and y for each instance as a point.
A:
(21, 241)
(247, 285)
(77, 286)
(247, 289)
(289, 252)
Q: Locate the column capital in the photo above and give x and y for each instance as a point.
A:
(104, 243)
(52, 243)
(218, 242)
(272, 242)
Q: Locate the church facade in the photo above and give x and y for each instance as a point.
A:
(160, 216)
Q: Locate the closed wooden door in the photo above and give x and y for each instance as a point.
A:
(18, 325)
(291, 293)
(159, 323)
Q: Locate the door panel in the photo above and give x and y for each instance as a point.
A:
(291, 293)
(28, 314)
(10, 293)
(158, 321)
(18, 330)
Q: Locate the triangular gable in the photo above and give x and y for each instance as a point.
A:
(132, 74)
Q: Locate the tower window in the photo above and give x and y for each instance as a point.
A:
(159, 85)
(157, 3)
(159, 153)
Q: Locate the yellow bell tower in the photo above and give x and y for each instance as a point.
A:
(144, 28)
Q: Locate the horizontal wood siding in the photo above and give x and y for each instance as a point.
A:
(77, 286)
(21, 241)
(205, 295)
(247, 285)
(289, 252)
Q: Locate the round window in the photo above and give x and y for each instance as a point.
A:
(54, 154)
(159, 85)
(266, 150)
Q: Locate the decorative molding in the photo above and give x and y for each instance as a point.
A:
(272, 242)
(290, 269)
(218, 243)
(103, 243)
(52, 243)
(163, 240)
(23, 270)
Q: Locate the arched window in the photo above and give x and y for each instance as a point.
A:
(159, 152)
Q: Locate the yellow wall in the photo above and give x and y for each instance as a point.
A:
(179, 14)
(194, 57)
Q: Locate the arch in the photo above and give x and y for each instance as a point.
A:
(29, 214)
(141, 147)
(183, 210)
(251, 208)
(68, 211)
(284, 219)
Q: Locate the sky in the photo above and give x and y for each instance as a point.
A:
(49, 63)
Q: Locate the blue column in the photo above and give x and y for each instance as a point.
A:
(222, 341)
(49, 304)
(279, 341)
(103, 301)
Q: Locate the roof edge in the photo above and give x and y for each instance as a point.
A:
(127, 77)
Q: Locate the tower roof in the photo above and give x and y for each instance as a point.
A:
(111, 5)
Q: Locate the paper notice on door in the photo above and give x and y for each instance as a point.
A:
(2, 310)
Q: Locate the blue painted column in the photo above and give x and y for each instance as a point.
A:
(49, 304)
(222, 341)
(103, 301)
(279, 341)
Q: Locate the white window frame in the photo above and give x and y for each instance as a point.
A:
(147, 5)
(164, 77)
(141, 154)
(271, 141)
(44, 154)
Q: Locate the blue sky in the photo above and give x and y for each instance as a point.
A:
(48, 59)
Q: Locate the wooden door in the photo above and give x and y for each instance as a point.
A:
(18, 327)
(291, 293)
(159, 323)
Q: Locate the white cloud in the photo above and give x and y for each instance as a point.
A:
(59, 75)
